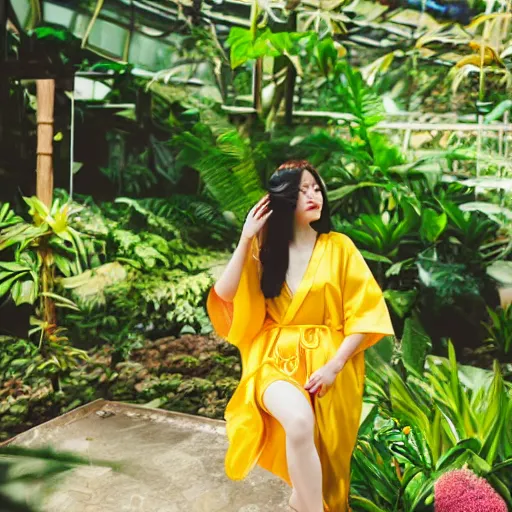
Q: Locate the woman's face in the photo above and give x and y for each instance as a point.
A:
(309, 201)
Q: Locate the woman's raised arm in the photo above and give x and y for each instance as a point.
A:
(227, 284)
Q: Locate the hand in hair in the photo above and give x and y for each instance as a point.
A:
(227, 284)
(256, 217)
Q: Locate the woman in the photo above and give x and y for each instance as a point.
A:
(301, 305)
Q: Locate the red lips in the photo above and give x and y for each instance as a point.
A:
(312, 206)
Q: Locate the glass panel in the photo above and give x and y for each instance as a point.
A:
(108, 37)
(56, 14)
(87, 89)
(22, 10)
(153, 54)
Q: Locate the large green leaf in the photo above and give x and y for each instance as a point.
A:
(416, 344)
(401, 301)
(375, 257)
(385, 154)
(432, 224)
(22, 234)
(266, 44)
(449, 456)
(325, 55)
(24, 292)
(13, 266)
(6, 285)
(38, 209)
(419, 490)
(241, 44)
(405, 405)
(493, 422)
(8, 217)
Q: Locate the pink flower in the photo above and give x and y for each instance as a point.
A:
(461, 490)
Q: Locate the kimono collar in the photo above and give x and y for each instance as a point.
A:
(308, 278)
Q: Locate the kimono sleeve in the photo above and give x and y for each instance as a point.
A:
(364, 307)
(240, 320)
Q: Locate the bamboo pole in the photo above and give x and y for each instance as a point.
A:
(45, 103)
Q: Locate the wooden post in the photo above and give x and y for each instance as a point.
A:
(44, 190)
(45, 102)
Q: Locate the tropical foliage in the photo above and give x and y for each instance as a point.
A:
(113, 280)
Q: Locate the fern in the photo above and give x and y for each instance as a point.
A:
(145, 233)
(321, 146)
(161, 224)
(153, 304)
(359, 100)
(158, 206)
(228, 169)
(244, 170)
(200, 221)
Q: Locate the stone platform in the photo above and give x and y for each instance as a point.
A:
(173, 462)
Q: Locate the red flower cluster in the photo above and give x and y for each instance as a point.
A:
(461, 490)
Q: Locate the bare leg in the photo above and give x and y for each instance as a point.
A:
(289, 406)
(294, 503)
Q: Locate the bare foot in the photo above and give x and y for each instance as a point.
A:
(294, 502)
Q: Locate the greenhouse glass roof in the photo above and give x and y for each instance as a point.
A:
(145, 32)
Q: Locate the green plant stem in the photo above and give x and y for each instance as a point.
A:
(35, 14)
(254, 19)
(47, 278)
(48, 311)
(99, 5)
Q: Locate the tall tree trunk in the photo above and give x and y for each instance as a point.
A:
(45, 102)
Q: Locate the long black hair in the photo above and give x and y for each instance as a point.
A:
(283, 190)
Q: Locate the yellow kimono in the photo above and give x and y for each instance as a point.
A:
(288, 338)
